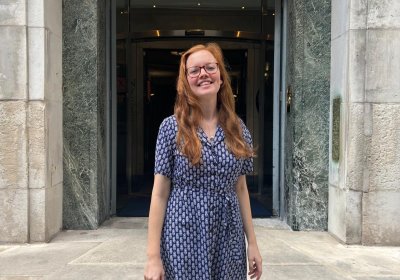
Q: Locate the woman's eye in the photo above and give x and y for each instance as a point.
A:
(211, 67)
(193, 70)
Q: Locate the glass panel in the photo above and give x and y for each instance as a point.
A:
(266, 189)
(122, 18)
(161, 68)
(122, 92)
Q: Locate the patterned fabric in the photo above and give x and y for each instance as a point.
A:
(203, 235)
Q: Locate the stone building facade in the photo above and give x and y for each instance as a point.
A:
(31, 169)
(342, 138)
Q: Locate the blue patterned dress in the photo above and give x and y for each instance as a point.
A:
(203, 235)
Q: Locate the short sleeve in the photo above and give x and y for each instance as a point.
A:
(247, 166)
(165, 145)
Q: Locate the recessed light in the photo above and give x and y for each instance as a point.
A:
(243, 8)
(154, 6)
(198, 4)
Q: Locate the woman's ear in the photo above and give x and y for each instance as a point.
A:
(221, 82)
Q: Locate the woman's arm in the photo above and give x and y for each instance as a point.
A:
(255, 262)
(158, 206)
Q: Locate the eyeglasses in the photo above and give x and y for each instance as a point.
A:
(210, 68)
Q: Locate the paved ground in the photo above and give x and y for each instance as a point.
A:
(117, 251)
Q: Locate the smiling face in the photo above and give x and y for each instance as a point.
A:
(205, 85)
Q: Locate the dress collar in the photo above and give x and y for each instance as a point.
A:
(218, 137)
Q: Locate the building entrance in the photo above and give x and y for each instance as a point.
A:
(150, 98)
(147, 69)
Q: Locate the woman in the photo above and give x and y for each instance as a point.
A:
(200, 208)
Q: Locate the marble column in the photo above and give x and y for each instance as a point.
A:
(84, 109)
(307, 133)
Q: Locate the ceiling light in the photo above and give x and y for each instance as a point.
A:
(198, 4)
(154, 6)
(243, 8)
(177, 53)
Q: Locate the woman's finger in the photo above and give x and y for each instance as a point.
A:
(251, 265)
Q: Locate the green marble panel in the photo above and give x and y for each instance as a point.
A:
(84, 120)
(307, 141)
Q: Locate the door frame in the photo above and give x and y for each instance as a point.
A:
(280, 99)
(279, 114)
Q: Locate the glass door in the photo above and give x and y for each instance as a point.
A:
(150, 98)
(149, 40)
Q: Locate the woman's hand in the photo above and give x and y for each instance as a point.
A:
(255, 261)
(154, 269)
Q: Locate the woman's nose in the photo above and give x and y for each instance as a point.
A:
(202, 72)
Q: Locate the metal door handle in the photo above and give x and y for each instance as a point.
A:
(289, 95)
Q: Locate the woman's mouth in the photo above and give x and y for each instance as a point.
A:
(204, 83)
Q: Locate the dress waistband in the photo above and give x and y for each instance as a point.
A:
(204, 188)
(213, 186)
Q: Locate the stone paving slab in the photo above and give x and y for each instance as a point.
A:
(125, 223)
(377, 278)
(97, 272)
(123, 251)
(308, 272)
(273, 252)
(21, 277)
(100, 235)
(117, 250)
(352, 259)
(3, 248)
(272, 223)
(300, 236)
(40, 259)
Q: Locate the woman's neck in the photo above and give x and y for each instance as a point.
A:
(209, 109)
(209, 119)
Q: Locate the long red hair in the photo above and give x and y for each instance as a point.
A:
(188, 112)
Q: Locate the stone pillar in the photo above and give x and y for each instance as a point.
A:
(85, 95)
(307, 133)
(30, 120)
(364, 176)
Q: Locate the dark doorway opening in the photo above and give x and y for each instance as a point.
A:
(159, 74)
